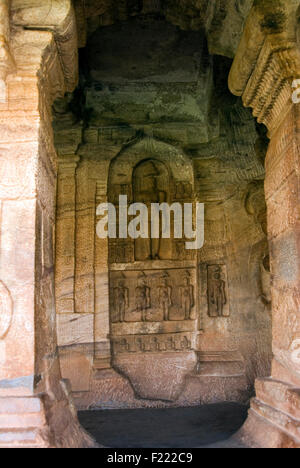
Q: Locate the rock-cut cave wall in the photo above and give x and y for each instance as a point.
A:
(153, 107)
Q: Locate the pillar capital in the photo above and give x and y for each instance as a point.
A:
(59, 19)
(267, 62)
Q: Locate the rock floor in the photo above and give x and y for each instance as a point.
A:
(210, 426)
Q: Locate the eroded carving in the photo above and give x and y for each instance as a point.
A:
(187, 297)
(152, 343)
(217, 296)
(147, 183)
(121, 300)
(184, 190)
(143, 297)
(266, 281)
(7, 63)
(121, 251)
(165, 296)
(6, 310)
(158, 296)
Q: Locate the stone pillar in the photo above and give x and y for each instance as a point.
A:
(274, 418)
(35, 408)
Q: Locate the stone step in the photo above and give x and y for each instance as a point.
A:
(278, 418)
(27, 438)
(16, 421)
(21, 420)
(15, 405)
(258, 432)
(280, 395)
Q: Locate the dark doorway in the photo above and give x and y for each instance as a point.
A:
(166, 428)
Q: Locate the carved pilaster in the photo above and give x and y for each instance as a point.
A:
(85, 239)
(7, 64)
(65, 235)
(102, 342)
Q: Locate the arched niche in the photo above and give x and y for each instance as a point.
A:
(170, 179)
(153, 283)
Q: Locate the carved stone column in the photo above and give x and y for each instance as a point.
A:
(35, 408)
(262, 73)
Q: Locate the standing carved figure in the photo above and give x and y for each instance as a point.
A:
(121, 299)
(146, 190)
(217, 294)
(165, 298)
(143, 297)
(187, 297)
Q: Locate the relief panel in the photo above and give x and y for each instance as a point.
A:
(152, 296)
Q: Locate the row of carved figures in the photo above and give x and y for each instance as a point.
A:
(152, 343)
(143, 301)
(216, 292)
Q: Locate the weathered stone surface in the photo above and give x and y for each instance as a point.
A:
(158, 376)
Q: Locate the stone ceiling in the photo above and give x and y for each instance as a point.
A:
(223, 20)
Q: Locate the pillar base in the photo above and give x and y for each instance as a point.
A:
(274, 416)
(39, 422)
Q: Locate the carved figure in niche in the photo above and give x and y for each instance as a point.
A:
(143, 297)
(266, 281)
(165, 297)
(146, 190)
(185, 344)
(255, 204)
(170, 344)
(216, 293)
(154, 344)
(121, 300)
(187, 299)
(140, 345)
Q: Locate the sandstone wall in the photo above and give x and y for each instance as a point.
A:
(173, 110)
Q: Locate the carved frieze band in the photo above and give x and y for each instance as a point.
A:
(153, 343)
